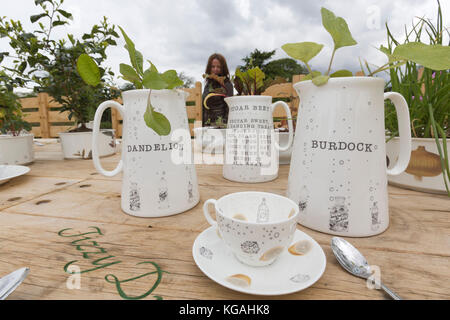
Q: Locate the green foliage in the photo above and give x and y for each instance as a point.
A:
(249, 82)
(150, 79)
(423, 83)
(279, 68)
(49, 65)
(11, 117)
(305, 51)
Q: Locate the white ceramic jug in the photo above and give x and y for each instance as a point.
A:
(154, 185)
(338, 173)
(251, 152)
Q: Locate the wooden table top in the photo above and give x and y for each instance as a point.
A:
(62, 213)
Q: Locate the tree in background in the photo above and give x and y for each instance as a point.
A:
(49, 65)
(284, 68)
(189, 82)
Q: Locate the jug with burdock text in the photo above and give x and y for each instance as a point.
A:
(338, 173)
(159, 176)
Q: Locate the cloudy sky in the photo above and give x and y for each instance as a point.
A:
(181, 34)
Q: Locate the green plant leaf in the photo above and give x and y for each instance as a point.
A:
(312, 75)
(36, 17)
(66, 14)
(139, 63)
(88, 70)
(156, 121)
(171, 79)
(129, 73)
(303, 51)
(131, 49)
(435, 57)
(153, 80)
(341, 73)
(337, 28)
(320, 80)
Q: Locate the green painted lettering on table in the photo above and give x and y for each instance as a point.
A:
(91, 250)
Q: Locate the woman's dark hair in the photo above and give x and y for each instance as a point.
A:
(223, 64)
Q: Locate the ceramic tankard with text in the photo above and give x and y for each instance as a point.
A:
(154, 185)
(251, 152)
(338, 172)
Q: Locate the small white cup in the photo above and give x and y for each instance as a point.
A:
(256, 226)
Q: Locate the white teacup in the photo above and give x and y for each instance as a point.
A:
(256, 226)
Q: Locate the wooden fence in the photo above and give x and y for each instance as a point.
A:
(47, 121)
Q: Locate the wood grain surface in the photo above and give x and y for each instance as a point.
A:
(62, 213)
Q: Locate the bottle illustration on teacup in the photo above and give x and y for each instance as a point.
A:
(135, 199)
(339, 215)
(263, 212)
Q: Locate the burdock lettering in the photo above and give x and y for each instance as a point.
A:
(342, 145)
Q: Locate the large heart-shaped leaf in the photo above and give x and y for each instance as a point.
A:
(341, 73)
(153, 80)
(435, 57)
(88, 70)
(171, 78)
(337, 28)
(320, 80)
(303, 51)
(156, 120)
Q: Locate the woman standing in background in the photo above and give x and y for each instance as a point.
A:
(217, 87)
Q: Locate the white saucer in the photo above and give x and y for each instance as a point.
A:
(8, 172)
(288, 274)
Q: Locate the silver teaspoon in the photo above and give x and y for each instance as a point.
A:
(10, 282)
(354, 262)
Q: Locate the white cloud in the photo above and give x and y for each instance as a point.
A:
(180, 34)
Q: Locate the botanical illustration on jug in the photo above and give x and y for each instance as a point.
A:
(339, 215)
(163, 191)
(303, 202)
(190, 187)
(135, 199)
(375, 217)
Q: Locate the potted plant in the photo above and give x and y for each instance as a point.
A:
(252, 81)
(427, 92)
(407, 56)
(16, 143)
(49, 65)
(159, 176)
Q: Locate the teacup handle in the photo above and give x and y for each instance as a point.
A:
(290, 126)
(404, 129)
(208, 217)
(96, 129)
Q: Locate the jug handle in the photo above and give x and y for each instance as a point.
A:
(290, 126)
(404, 129)
(95, 134)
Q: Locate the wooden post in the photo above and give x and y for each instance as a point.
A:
(115, 122)
(198, 101)
(43, 115)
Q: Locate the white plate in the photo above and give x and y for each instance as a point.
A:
(288, 274)
(8, 172)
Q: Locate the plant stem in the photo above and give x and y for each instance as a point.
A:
(309, 68)
(331, 61)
